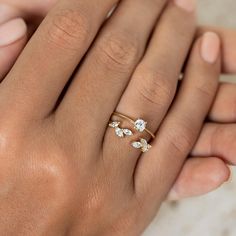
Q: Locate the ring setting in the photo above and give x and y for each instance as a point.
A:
(119, 131)
(143, 145)
(139, 125)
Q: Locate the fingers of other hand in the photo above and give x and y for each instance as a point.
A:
(13, 36)
(224, 107)
(217, 140)
(182, 125)
(199, 176)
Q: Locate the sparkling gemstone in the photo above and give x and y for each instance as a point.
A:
(127, 132)
(140, 125)
(114, 124)
(146, 148)
(119, 132)
(137, 145)
(144, 142)
(145, 145)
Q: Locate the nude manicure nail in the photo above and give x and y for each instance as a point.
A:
(12, 31)
(210, 47)
(187, 5)
(231, 176)
(6, 13)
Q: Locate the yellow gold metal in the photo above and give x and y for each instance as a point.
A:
(122, 116)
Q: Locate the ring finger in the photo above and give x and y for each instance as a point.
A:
(108, 67)
(153, 84)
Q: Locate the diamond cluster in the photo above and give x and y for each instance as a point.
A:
(119, 131)
(139, 125)
(143, 145)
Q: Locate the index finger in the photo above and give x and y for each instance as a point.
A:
(52, 55)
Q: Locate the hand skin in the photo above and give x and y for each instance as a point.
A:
(199, 175)
(63, 172)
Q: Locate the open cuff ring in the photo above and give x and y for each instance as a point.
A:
(139, 125)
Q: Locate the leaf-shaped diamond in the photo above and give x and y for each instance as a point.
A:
(114, 124)
(137, 145)
(127, 132)
(145, 145)
(119, 132)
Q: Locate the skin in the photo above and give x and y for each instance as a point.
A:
(54, 180)
(198, 175)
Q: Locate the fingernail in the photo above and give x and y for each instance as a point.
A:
(187, 5)
(6, 13)
(210, 47)
(230, 179)
(12, 31)
(172, 196)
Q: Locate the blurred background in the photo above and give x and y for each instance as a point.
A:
(213, 214)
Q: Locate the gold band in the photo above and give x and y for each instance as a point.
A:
(133, 122)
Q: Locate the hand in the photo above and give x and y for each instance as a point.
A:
(201, 175)
(195, 179)
(13, 36)
(13, 30)
(62, 170)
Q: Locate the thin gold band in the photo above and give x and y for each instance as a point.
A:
(132, 121)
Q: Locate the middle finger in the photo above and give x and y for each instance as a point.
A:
(98, 85)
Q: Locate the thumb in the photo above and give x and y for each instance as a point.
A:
(13, 36)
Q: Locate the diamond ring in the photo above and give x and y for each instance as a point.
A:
(140, 125)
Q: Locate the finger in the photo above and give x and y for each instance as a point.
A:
(224, 107)
(199, 176)
(109, 65)
(217, 140)
(179, 131)
(13, 36)
(228, 38)
(7, 12)
(153, 84)
(52, 55)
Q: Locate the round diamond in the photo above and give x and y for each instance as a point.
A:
(140, 125)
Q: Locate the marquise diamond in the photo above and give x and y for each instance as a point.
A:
(127, 132)
(119, 132)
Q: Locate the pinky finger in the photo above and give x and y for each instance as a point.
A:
(13, 36)
(199, 176)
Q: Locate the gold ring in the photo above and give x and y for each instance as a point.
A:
(139, 124)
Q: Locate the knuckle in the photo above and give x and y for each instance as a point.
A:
(118, 51)
(69, 28)
(206, 91)
(154, 87)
